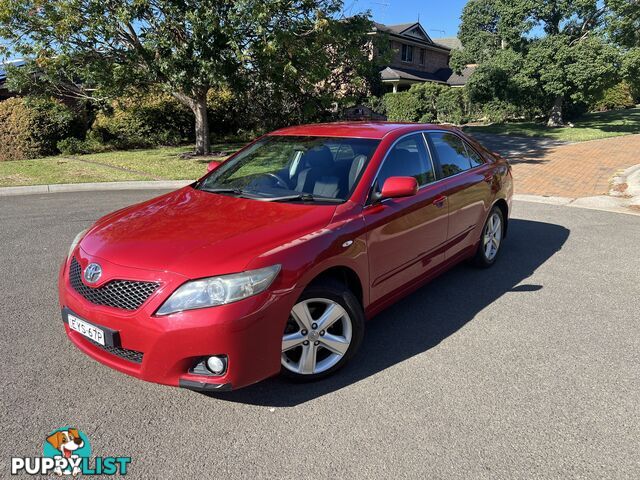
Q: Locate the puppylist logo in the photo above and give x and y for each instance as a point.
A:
(66, 451)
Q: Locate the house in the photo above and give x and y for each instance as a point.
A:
(4, 91)
(417, 58)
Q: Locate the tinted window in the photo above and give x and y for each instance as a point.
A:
(451, 153)
(408, 158)
(474, 157)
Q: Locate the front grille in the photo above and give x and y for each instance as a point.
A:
(124, 294)
(130, 355)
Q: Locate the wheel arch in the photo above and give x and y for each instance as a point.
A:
(501, 203)
(345, 275)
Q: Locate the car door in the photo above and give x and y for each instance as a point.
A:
(405, 235)
(468, 183)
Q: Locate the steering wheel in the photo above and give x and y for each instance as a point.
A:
(279, 180)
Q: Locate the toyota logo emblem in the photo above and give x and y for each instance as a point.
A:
(92, 273)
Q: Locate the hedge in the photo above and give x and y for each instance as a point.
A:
(427, 103)
(31, 128)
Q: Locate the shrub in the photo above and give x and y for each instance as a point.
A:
(31, 128)
(77, 146)
(377, 104)
(137, 122)
(498, 111)
(615, 98)
(72, 146)
(426, 103)
(450, 106)
(402, 107)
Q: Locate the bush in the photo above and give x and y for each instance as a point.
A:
(77, 146)
(402, 107)
(426, 103)
(148, 121)
(31, 128)
(615, 98)
(450, 106)
(498, 111)
(376, 104)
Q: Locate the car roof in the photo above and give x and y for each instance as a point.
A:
(372, 130)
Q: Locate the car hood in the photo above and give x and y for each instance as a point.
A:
(199, 234)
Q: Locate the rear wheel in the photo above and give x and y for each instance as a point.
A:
(324, 330)
(491, 239)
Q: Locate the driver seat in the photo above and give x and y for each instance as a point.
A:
(317, 163)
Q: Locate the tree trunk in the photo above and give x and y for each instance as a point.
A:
(203, 143)
(198, 106)
(555, 118)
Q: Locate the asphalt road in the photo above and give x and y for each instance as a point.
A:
(528, 370)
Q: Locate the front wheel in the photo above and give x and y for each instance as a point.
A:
(491, 239)
(324, 330)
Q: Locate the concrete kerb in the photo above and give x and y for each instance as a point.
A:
(93, 187)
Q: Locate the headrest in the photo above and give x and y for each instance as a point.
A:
(318, 157)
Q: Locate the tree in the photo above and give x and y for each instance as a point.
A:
(623, 22)
(565, 55)
(486, 27)
(562, 71)
(98, 49)
(631, 71)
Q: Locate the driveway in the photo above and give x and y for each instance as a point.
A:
(548, 167)
(526, 370)
(517, 149)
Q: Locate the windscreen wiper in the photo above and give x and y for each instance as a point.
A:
(301, 197)
(234, 191)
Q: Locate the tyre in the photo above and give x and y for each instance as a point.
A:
(324, 330)
(490, 239)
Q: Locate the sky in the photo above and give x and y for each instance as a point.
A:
(440, 18)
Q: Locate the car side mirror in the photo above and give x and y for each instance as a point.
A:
(211, 166)
(399, 187)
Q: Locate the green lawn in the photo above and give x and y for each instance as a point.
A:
(165, 163)
(591, 126)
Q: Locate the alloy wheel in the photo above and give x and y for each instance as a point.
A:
(492, 236)
(317, 336)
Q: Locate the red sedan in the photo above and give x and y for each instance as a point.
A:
(273, 261)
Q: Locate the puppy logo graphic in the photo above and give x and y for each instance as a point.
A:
(69, 444)
(66, 451)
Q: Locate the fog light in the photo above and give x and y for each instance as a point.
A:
(216, 365)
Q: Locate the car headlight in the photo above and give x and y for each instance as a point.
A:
(209, 292)
(76, 241)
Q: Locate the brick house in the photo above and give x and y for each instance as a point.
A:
(416, 58)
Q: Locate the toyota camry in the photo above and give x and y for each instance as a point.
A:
(274, 260)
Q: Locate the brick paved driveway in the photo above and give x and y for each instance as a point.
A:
(548, 167)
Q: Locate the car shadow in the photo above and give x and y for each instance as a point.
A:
(426, 317)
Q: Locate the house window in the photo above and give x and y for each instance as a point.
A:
(422, 53)
(407, 53)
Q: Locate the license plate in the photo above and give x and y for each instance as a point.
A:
(83, 328)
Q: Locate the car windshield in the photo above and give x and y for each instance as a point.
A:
(284, 168)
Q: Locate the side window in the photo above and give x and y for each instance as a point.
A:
(451, 153)
(474, 157)
(408, 158)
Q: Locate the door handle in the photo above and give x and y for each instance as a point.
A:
(488, 178)
(439, 201)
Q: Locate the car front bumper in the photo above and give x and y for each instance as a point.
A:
(166, 348)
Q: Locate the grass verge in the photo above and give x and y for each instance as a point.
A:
(164, 163)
